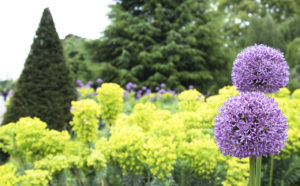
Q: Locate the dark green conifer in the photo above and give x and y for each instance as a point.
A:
(45, 88)
(161, 41)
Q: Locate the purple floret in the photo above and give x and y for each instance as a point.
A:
(250, 125)
(260, 68)
(99, 80)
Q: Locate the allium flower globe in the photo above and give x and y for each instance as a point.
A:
(250, 125)
(260, 68)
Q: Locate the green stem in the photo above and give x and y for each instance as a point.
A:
(271, 170)
(258, 171)
(252, 170)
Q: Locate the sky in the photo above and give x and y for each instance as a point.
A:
(19, 20)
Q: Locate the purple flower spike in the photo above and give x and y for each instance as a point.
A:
(260, 68)
(250, 125)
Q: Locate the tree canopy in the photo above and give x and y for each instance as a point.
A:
(151, 42)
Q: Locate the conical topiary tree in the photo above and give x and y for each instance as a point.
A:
(45, 88)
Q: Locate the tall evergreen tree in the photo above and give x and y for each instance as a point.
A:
(45, 88)
(175, 42)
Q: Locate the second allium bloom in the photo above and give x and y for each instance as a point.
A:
(250, 125)
(260, 68)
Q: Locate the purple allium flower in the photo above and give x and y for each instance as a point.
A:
(162, 85)
(250, 125)
(99, 80)
(162, 91)
(89, 83)
(260, 68)
(78, 81)
(128, 86)
(191, 87)
(157, 88)
(144, 88)
(133, 85)
(148, 91)
(125, 92)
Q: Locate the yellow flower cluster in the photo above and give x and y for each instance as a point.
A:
(290, 105)
(85, 122)
(85, 92)
(8, 175)
(30, 139)
(35, 178)
(190, 100)
(237, 172)
(110, 98)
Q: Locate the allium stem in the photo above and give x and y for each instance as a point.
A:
(252, 170)
(271, 170)
(258, 170)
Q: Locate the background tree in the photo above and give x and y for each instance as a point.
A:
(263, 31)
(45, 88)
(175, 42)
(76, 57)
(239, 13)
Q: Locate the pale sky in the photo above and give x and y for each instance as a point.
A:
(19, 19)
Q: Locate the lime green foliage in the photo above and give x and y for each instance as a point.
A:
(85, 92)
(125, 146)
(237, 172)
(85, 122)
(52, 163)
(190, 100)
(35, 178)
(296, 94)
(201, 155)
(143, 115)
(290, 106)
(96, 160)
(160, 156)
(8, 175)
(30, 139)
(77, 154)
(110, 98)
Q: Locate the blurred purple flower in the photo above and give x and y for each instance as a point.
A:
(162, 91)
(157, 88)
(125, 92)
(128, 86)
(260, 68)
(79, 83)
(191, 87)
(89, 83)
(144, 88)
(172, 92)
(250, 125)
(148, 91)
(162, 85)
(99, 80)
